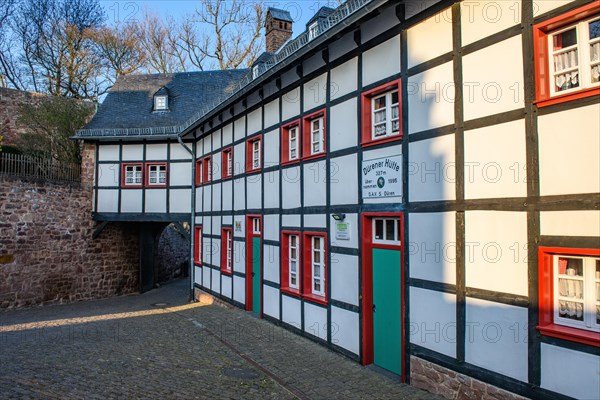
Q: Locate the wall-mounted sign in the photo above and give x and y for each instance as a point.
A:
(238, 226)
(342, 230)
(382, 177)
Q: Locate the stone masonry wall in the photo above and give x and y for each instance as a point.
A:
(452, 385)
(47, 254)
(10, 101)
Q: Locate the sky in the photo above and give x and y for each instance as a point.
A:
(123, 10)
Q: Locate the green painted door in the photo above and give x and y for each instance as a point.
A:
(387, 326)
(256, 275)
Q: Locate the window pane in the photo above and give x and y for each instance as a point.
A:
(317, 285)
(317, 256)
(380, 130)
(379, 103)
(293, 266)
(379, 229)
(565, 39)
(398, 235)
(293, 241)
(395, 98)
(594, 29)
(390, 229)
(316, 124)
(379, 116)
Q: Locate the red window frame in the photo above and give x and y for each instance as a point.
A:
(198, 174)
(134, 185)
(307, 132)
(224, 269)
(198, 245)
(285, 143)
(225, 163)
(546, 297)
(249, 144)
(285, 262)
(540, 47)
(146, 176)
(366, 104)
(307, 248)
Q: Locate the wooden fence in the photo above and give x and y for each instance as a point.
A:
(44, 169)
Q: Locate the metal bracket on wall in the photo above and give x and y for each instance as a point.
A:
(99, 229)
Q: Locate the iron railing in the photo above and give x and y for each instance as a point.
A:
(43, 169)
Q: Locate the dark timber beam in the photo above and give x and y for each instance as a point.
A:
(99, 229)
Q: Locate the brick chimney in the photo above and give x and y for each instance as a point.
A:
(278, 26)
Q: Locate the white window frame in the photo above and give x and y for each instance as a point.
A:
(161, 103)
(584, 61)
(388, 115)
(313, 30)
(229, 171)
(321, 265)
(256, 154)
(320, 135)
(229, 250)
(199, 246)
(293, 130)
(292, 259)
(395, 241)
(156, 170)
(136, 178)
(590, 296)
(209, 170)
(201, 172)
(256, 226)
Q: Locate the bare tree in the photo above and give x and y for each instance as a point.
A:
(120, 49)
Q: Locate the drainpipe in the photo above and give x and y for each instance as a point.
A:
(192, 216)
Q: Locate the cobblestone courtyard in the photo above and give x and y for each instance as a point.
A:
(158, 346)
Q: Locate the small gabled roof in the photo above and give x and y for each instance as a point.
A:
(323, 12)
(263, 58)
(280, 14)
(129, 106)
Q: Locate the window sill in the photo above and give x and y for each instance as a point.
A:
(375, 142)
(291, 292)
(197, 263)
(162, 186)
(253, 171)
(124, 186)
(290, 162)
(315, 298)
(313, 156)
(563, 98)
(571, 334)
(226, 272)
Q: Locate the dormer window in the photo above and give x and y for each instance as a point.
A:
(313, 30)
(160, 103)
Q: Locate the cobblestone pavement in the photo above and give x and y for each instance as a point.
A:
(158, 346)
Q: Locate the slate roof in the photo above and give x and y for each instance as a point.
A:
(130, 102)
(279, 14)
(263, 58)
(323, 12)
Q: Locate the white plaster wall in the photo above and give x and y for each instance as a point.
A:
(570, 223)
(108, 200)
(239, 289)
(207, 144)
(226, 286)
(239, 194)
(496, 337)
(133, 152)
(290, 187)
(343, 178)
(432, 246)
(216, 229)
(216, 166)
(272, 113)
(315, 221)
(227, 134)
(271, 189)
(199, 199)
(239, 158)
(271, 264)
(315, 320)
(199, 148)
(197, 275)
(315, 176)
(381, 61)
(480, 19)
(178, 152)
(431, 169)
(216, 281)
(180, 174)
(271, 301)
(290, 220)
(495, 162)
(345, 329)
(227, 194)
(255, 121)
(157, 152)
(344, 78)
(342, 46)
(433, 320)
(343, 126)
(344, 278)
(271, 148)
(108, 152)
(239, 256)
(254, 191)
(290, 311)
(239, 128)
(207, 197)
(431, 98)
(216, 140)
(430, 38)
(206, 277)
(271, 227)
(569, 148)
(108, 175)
(315, 92)
(313, 63)
(543, 6)
(290, 104)
(131, 201)
(491, 86)
(355, 237)
(179, 200)
(216, 197)
(570, 372)
(496, 251)
(227, 220)
(156, 200)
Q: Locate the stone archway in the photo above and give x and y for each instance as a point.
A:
(172, 253)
